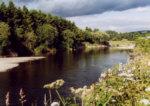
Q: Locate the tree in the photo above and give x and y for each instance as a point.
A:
(46, 35)
(88, 36)
(30, 40)
(4, 36)
(11, 14)
(88, 29)
(112, 34)
(3, 12)
(67, 39)
(96, 30)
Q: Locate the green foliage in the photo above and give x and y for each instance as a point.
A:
(30, 40)
(67, 39)
(46, 35)
(38, 31)
(132, 36)
(4, 36)
(112, 34)
(144, 44)
(96, 37)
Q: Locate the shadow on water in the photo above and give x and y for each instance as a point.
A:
(77, 68)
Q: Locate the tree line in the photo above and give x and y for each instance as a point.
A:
(131, 36)
(29, 32)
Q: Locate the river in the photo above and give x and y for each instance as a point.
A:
(76, 68)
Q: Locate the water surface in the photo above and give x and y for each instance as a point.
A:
(76, 68)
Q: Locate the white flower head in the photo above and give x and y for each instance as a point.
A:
(103, 75)
(126, 75)
(145, 101)
(113, 101)
(55, 85)
(122, 74)
(109, 70)
(130, 75)
(130, 79)
(129, 71)
(147, 89)
(55, 104)
(120, 67)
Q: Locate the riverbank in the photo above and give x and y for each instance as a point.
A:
(12, 62)
(112, 44)
(124, 44)
(88, 45)
(125, 84)
(125, 47)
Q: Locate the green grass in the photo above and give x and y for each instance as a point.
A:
(121, 43)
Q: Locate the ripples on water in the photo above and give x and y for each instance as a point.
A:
(76, 68)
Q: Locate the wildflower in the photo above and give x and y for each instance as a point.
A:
(97, 83)
(145, 101)
(122, 74)
(7, 99)
(148, 64)
(22, 96)
(113, 101)
(100, 79)
(55, 104)
(97, 97)
(115, 92)
(120, 67)
(147, 89)
(79, 91)
(126, 75)
(130, 79)
(72, 90)
(130, 75)
(133, 68)
(129, 71)
(55, 85)
(85, 87)
(109, 70)
(103, 75)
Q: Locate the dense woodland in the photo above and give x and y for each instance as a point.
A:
(26, 32)
(29, 32)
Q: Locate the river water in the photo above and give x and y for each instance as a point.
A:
(76, 68)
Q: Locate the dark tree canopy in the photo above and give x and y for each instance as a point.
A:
(35, 31)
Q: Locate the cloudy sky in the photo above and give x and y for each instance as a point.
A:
(118, 15)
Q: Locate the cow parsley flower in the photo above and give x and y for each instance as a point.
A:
(145, 101)
(147, 89)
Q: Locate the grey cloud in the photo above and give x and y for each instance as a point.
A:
(68, 8)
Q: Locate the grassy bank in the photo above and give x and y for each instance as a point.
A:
(126, 84)
(123, 43)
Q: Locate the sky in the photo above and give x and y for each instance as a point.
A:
(118, 15)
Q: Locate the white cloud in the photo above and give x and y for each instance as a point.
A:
(125, 21)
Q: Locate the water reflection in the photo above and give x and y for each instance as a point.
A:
(77, 68)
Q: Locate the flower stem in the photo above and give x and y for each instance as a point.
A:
(60, 97)
(50, 95)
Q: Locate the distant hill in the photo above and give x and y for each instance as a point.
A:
(142, 32)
